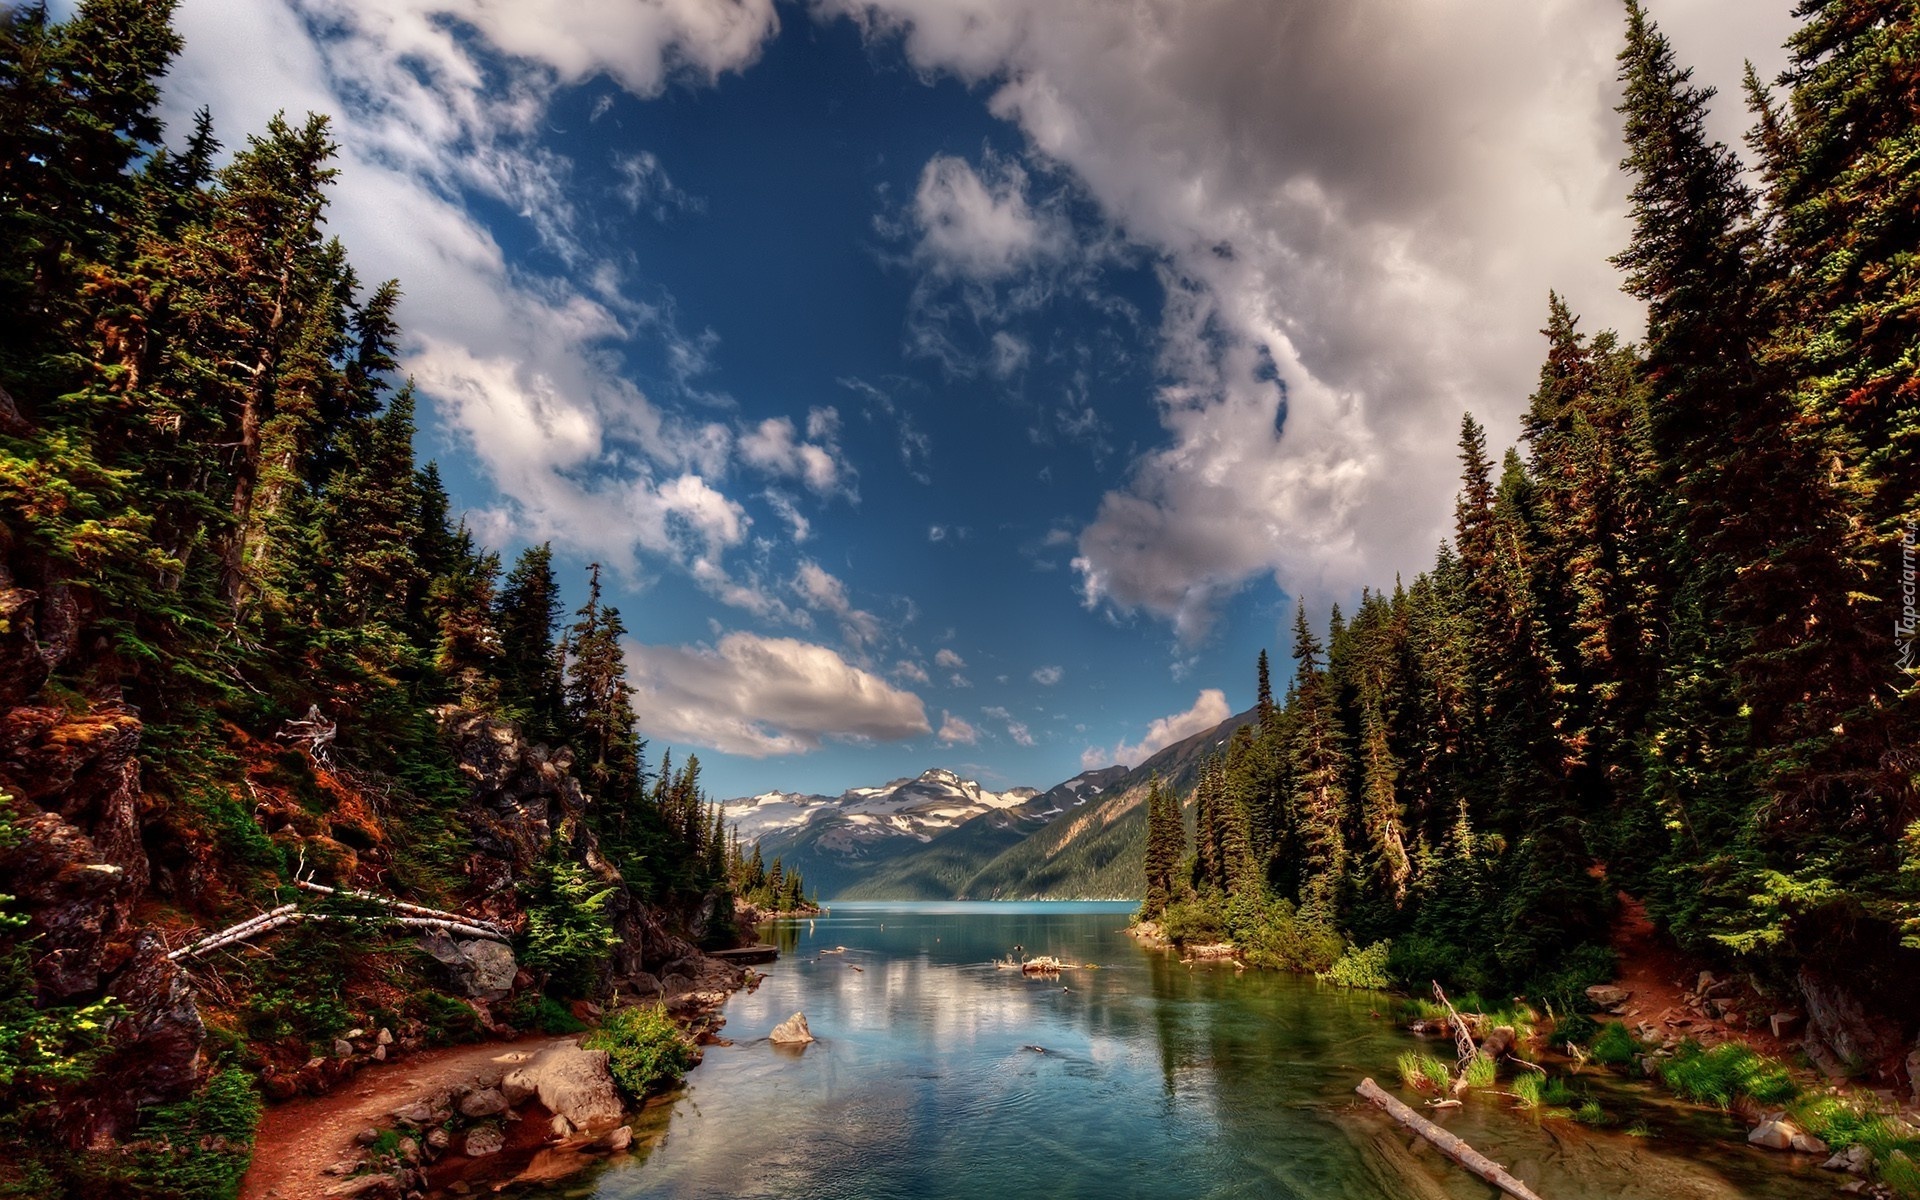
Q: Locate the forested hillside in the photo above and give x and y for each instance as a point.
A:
(243, 639)
(1669, 650)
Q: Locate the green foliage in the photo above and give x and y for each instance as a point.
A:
(1615, 1046)
(446, 1018)
(1726, 1073)
(537, 1010)
(197, 1148)
(647, 1053)
(1361, 968)
(1481, 1072)
(1900, 1173)
(1575, 1028)
(1843, 1121)
(1590, 1113)
(569, 932)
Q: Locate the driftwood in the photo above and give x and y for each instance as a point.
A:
(493, 930)
(401, 913)
(315, 732)
(1449, 1145)
(1462, 1036)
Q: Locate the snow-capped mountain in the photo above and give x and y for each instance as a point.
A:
(833, 839)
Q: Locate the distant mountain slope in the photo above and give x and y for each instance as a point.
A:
(942, 869)
(837, 841)
(1098, 852)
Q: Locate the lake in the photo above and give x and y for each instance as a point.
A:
(1157, 1080)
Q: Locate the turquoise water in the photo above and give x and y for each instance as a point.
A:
(1157, 1081)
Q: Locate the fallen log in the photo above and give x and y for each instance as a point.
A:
(286, 914)
(1446, 1143)
(402, 906)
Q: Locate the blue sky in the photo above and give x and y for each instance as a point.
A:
(959, 382)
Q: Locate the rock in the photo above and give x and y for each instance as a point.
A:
(571, 1082)
(1705, 981)
(367, 1136)
(384, 1038)
(674, 985)
(1839, 1023)
(483, 1140)
(1775, 1134)
(342, 1048)
(379, 1054)
(516, 1089)
(1784, 1023)
(559, 1128)
(409, 1151)
(487, 1102)
(1499, 1042)
(1605, 995)
(367, 1187)
(416, 1113)
(1854, 1160)
(438, 1140)
(616, 1141)
(477, 968)
(1806, 1143)
(791, 1031)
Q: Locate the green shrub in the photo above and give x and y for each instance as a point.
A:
(1899, 1172)
(446, 1019)
(535, 1010)
(1414, 962)
(175, 1163)
(1574, 1027)
(1615, 1046)
(1359, 968)
(1725, 1073)
(1842, 1122)
(647, 1053)
(1590, 1113)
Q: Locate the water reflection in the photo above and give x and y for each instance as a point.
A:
(1155, 1080)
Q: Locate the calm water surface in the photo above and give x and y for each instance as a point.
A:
(1157, 1081)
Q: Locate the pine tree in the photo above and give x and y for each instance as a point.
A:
(528, 616)
(600, 703)
(1320, 768)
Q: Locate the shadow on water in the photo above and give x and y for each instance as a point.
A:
(1151, 1080)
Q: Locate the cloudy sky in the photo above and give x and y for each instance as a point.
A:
(970, 383)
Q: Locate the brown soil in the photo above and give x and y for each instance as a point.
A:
(300, 1138)
(1659, 980)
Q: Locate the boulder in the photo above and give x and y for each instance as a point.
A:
(1839, 1023)
(1605, 995)
(571, 1082)
(1775, 1134)
(617, 1141)
(483, 1140)
(414, 1114)
(1854, 1160)
(438, 1140)
(1499, 1042)
(792, 1031)
(476, 967)
(342, 1048)
(1806, 1143)
(487, 1102)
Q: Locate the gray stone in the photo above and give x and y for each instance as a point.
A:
(1775, 1134)
(617, 1140)
(478, 968)
(414, 1114)
(384, 1038)
(487, 1102)
(367, 1136)
(1854, 1160)
(367, 1187)
(1605, 995)
(483, 1140)
(792, 1031)
(571, 1082)
(438, 1140)
(342, 1048)
(1806, 1143)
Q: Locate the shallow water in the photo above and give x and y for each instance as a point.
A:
(1156, 1080)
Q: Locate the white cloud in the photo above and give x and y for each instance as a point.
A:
(1209, 709)
(774, 446)
(761, 696)
(1048, 676)
(948, 660)
(828, 594)
(1368, 201)
(980, 224)
(645, 187)
(955, 731)
(1020, 733)
(912, 672)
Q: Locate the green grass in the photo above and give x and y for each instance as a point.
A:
(1544, 1093)
(1842, 1122)
(1482, 1072)
(1722, 1075)
(1639, 1129)
(1590, 1113)
(1900, 1173)
(1425, 1072)
(1614, 1046)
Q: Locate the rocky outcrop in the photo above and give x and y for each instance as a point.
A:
(476, 968)
(570, 1082)
(1842, 1034)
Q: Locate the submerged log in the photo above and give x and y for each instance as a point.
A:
(1446, 1143)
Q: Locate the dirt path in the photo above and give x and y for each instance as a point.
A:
(1658, 979)
(299, 1139)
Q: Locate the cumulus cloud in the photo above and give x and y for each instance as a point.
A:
(980, 224)
(948, 660)
(776, 447)
(761, 696)
(1358, 210)
(955, 731)
(1048, 676)
(437, 101)
(1209, 709)
(1019, 731)
(912, 672)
